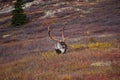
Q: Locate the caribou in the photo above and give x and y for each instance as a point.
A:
(60, 45)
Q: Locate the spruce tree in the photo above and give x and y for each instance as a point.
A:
(19, 17)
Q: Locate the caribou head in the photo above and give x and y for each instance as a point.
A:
(60, 46)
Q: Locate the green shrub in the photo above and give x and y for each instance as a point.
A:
(19, 17)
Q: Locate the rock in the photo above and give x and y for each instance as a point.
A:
(107, 63)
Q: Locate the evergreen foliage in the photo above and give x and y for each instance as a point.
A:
(19, 17)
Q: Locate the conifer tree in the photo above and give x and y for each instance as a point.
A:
(19, 17)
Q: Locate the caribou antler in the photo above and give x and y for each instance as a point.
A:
(63, 37)
(53, 38)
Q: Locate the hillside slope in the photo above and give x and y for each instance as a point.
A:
(26, 52)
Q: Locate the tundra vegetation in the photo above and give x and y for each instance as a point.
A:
(92, 34)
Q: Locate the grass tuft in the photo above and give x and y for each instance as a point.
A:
(96, 45)
(48, 54)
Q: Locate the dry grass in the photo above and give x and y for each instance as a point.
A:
(50, 66)
(97, 45)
